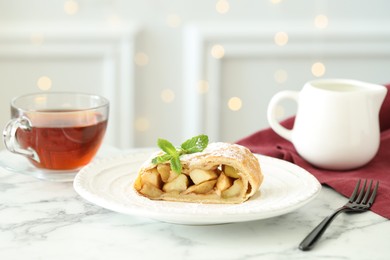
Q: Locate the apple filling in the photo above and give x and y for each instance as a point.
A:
(222, 182)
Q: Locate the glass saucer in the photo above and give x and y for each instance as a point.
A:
(19, 164)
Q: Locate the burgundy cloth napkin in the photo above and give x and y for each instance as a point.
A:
(267, 142)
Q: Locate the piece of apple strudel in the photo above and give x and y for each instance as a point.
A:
(222, 173)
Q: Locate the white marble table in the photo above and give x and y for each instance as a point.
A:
(48, 220)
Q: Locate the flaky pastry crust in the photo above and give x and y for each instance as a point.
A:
(216, 160)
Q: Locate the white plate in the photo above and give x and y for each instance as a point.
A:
(109, 183)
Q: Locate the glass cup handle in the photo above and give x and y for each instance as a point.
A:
(11, 142)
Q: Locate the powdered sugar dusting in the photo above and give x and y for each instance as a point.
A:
(218, 149)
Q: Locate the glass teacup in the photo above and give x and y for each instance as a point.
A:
(57, 131)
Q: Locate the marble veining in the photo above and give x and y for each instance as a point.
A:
(46, 220)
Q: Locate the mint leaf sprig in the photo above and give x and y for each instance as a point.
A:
(172, 154)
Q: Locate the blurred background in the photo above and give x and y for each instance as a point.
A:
(176, 68)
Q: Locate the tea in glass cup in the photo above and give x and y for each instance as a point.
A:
(57, 131)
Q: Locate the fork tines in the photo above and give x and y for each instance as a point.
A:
(366, 193)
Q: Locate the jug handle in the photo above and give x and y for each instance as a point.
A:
(272, 111)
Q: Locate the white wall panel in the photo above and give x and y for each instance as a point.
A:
(90, 58)
(251, 59)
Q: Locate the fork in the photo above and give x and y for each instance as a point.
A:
(356, 204)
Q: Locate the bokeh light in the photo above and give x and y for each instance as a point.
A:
(44, 83)
(173, 20)
(141, 59)
(281, 38)
(279, 111)
(167, 95)
(235, 103)
(321, 21)
(280, 76)
(142, 124)
(318, 69)
(37, 38)
(71, 7)
(222, 6)
(202, 86)
(114, 21)
(218, 51)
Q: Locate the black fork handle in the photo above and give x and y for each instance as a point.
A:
(317, 232)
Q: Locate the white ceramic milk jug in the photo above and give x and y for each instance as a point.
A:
(337, 122)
